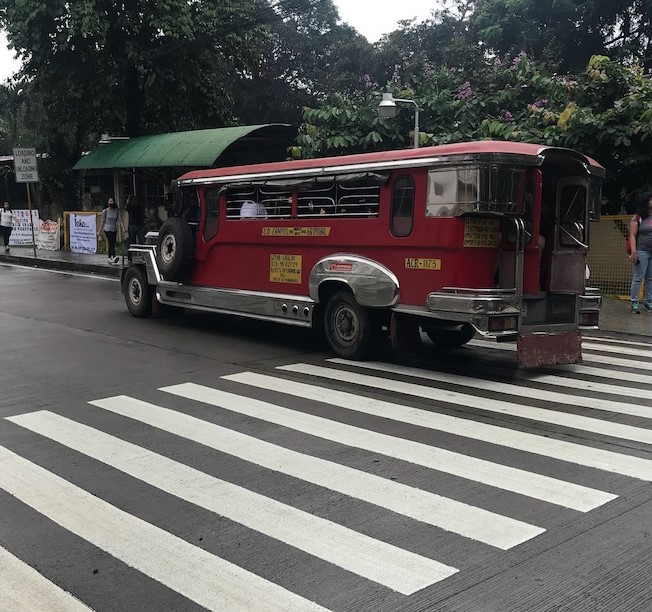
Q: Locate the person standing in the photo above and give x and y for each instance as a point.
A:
(6, 222)
(640, 242)
(110, 223)
(136, 226)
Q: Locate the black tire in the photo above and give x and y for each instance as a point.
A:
(138, 293)
(349, 328)
(450, 338)
(174, 249)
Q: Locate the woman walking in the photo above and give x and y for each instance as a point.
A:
(6, 222)
(110, 223)
(640, 242)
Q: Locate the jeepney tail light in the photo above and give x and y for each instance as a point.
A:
(589, 319)
(502, 323)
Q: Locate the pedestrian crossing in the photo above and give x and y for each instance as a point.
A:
(398, 454)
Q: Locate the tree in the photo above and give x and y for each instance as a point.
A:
(138, 67)
(566, 33)
(606, 112)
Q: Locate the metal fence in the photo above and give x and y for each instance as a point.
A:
(610, 267)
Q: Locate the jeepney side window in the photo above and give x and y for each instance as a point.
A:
(237, 197)
(345, 198)
(357, 199)
(403, 206)
(317, 199)
(501, 190)
(452, 191)
(211, 221)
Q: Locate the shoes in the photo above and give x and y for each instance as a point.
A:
(6, 249)
(635, 308)
(647, 306)
(116, 260)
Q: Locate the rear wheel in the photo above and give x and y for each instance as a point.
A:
(349, 328)
(138, 293)
(450, 337)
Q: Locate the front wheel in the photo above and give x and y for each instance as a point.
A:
(138, 293)
(349, 327)
(450, 338)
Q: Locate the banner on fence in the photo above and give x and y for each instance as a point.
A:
(21, 230)
(83, 236)
(48, 236)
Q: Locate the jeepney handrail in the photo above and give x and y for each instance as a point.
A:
(580, 228)
(519, 259)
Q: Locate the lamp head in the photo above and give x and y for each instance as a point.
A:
(387, 108)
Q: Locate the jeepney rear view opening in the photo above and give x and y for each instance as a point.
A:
(484, 238)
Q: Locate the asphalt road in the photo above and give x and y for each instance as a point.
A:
(210, 462)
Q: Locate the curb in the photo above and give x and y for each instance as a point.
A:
(64, 266)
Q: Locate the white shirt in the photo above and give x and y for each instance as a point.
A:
(6, 218)
(253, 210)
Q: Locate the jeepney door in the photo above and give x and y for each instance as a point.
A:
(567, 258)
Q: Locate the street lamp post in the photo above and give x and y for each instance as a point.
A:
(387, 109)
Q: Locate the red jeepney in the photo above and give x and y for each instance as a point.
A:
(480, 237)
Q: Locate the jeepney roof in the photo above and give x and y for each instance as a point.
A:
(483, 150)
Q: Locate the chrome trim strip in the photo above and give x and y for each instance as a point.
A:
(280, 308)
(373, 285)
(465, 158)
(479, 305)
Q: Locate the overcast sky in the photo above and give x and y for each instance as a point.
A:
(372, 18)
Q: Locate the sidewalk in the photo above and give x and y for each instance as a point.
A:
(61, 260)
(614, 316)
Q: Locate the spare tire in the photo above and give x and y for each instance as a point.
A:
(174, 249)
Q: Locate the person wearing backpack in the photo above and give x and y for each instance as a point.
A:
(640, 245)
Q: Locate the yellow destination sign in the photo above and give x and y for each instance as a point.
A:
(417, 263)
(481, 233)
(285, 269)
(296, 231)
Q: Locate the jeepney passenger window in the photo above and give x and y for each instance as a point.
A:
(212, 203)
(501, 190)
(452, 192)
(357, 199)
(317, 199)
(236, 199)
(345, 198)
(403, 206)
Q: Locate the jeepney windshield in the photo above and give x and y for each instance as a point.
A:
(462, 190)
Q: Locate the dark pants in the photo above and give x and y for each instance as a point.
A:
(136, 234)
(6, 232)
(110, 238)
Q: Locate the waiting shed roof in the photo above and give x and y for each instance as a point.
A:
(193, 149)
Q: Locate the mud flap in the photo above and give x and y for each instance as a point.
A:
(404, 333)
(543, 349)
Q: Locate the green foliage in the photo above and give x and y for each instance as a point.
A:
(605, 112)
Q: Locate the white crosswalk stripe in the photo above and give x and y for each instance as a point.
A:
(556, 380)
(435, 510)
(23, 589)
(507, 388)
(503, 477)
(351, 389)
(389, 565)
(540, 445)
(200, 576)
(543, 415)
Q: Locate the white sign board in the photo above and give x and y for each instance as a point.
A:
(83, 236)
(25, 165)
(21, 230)
(48, 236)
